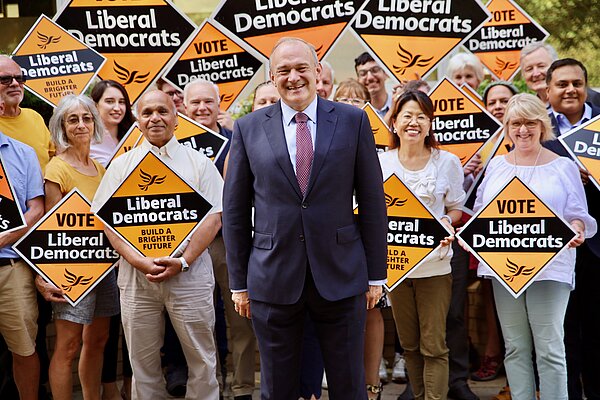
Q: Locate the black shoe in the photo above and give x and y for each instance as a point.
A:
(408, 393)
(243, 397)
(177, 381)
(462, 392)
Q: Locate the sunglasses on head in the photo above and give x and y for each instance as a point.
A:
(7, 79)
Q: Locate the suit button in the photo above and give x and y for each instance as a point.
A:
(301, 238)
(304, 205)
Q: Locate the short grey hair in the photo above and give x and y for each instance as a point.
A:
(57, 121)
(327, 65)
(528, 106)
(198, 82)
(534, 46)
(288, 39)
(462, 60)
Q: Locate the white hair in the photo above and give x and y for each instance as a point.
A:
(198, 82)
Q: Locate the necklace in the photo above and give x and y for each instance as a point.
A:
(527, 181)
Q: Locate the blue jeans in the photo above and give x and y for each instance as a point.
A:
(534, 320)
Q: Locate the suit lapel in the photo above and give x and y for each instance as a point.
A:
(273, 127)
(326, 121)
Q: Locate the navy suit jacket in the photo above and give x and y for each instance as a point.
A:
(591, 192)
(293, 232)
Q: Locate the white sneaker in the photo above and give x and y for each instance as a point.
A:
(383, 374)
(399, 370)
(324, 381)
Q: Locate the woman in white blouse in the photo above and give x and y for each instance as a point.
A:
(534, 321)
(420, 303)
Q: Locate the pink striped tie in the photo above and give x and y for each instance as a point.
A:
(304, 151)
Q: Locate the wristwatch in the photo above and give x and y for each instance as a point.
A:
(184, 265)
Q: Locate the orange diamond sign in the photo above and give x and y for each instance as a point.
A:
(68, 248)
(54, 62)
(154, 209)
(379, 128)
(583, 143)
(411, 37)
(11, 215)
(138, 37)
(498, 43)
(516, 235)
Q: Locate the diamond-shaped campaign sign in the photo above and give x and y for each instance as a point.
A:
(68, 248)
(11, 215)
(498, 43)
(413, 231)
(154, 209)
(261, 23)
(132, 138)
(212, 55)
(461, 125)
(55, 62)
(412, 37)
(379, 128)
(516, 234)
(583, 143)
(138, 37)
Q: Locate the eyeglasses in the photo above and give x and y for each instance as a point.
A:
(528, 123)
(6, 80)
(350, 100)
(173, 93)
(74, 120)
(373, 70)
(421, 119)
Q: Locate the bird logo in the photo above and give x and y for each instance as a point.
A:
(502, 66)
(75, 280)
(128, 77)
(516, 270)
(226, 97)
(45, 40)
(409, 60)
(318, 50)
(394, 201)
(150, 180)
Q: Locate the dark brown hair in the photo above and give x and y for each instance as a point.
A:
(128, 118)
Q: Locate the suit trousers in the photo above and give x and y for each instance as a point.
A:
(582, 328)
(241, 334)
(534, 321)
(340, 327)
(420, 307)
(188, 298)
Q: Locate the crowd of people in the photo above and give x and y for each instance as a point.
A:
(281, 253)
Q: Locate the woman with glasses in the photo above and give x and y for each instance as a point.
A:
(420, 303)
(74, 125)
(534, 321)
(112, 102)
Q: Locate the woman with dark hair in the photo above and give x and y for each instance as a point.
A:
(420, 303)
(112, 102)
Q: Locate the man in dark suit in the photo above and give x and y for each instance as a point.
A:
(305, 252)
(567, 84)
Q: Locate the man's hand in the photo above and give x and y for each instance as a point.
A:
(167, 267)
(585, 176)
(473, 166)
(373, 296)
(241, 303)
(225, 120)
(48, 291)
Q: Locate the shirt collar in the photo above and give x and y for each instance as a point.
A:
(168, 149)
(289, 113)
(562, 119)
(3, 139)
(386, 107)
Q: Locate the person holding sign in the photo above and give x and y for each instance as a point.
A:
(182, 285)
(74, 124)
(299, 162)
(420, 303)
(534, 321)
(19, 307)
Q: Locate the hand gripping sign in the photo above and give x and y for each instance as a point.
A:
(68, 248)
(516, 235)
(583, 143)
(413, 231)
(138, 37)
(498, 43)
(412, 37)
(154, 210)
(11, 215)
(55, 62)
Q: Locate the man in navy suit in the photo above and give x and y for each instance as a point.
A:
(566, 89)
(299, 162)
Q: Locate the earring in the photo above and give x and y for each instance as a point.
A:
(395, 131)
